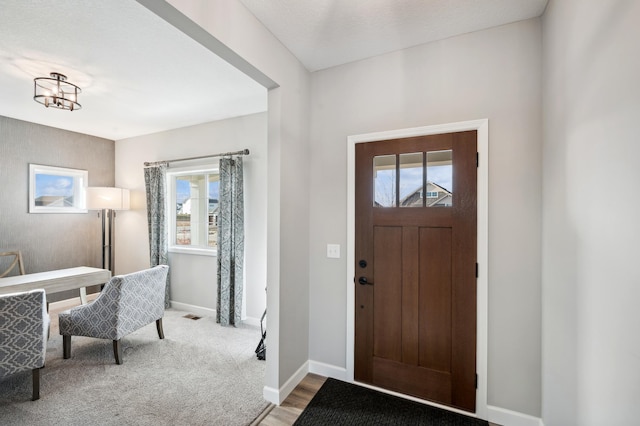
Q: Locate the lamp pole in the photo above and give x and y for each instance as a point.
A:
(112, 241)
(108, 200)
(108, 239)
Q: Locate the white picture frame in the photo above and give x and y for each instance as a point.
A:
(57, 189)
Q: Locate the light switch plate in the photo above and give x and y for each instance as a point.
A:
(333, 251)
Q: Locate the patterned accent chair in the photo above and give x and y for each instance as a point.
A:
(24, 328)
(126, 303)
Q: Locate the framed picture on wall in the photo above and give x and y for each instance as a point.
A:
(57, 189)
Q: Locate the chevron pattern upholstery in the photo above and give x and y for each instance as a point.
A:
(126, 303)
(24, 326)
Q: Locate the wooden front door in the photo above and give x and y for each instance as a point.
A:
(415, 254)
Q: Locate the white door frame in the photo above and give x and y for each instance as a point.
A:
(482, 127)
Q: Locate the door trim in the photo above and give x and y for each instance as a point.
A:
(482, 127)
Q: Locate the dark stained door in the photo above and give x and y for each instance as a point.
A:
(415, 330)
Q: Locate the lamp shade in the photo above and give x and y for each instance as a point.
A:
(100, 197)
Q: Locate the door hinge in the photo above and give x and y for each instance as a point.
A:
(477, 159)
(476, 381)
(477, 270)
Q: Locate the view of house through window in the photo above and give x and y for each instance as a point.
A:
(414, 179)
(195, 221)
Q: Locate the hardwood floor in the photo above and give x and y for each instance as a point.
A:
(286, 413)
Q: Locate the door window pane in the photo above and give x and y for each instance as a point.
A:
(411, 180)
(384, 181)
(439, 189)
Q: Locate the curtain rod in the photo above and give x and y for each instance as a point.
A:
(222, 154)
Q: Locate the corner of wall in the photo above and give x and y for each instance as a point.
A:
(277, 396)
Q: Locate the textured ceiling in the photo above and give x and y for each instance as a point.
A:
(325, 33)
(138, 73)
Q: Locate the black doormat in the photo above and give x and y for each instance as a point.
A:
(341, 403)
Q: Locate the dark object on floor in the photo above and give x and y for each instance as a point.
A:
(191, 317)
(341, 403)
(261, 350)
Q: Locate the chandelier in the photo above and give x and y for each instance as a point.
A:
(56, 92)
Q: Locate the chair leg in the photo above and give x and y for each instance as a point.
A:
(66, 346)
(159, 327)
(36, 384)
(117, 351)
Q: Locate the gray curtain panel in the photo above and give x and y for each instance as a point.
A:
(155, 182)
(230, 242)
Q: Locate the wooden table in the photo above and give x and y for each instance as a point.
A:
(56, 281)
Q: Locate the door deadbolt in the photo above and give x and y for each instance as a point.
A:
(362, 263)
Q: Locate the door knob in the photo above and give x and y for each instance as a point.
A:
(363, 281)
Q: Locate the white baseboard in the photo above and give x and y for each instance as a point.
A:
(198, 310)
(271, 395)
(276, 396)
(328, 370)
(252, 321)
(208, 312)
(506, 417)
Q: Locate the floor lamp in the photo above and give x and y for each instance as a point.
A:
(108, 200)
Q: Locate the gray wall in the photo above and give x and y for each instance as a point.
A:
(193, 277)
(288, 192)
(50, 241)
(591, 343)
(494, 74)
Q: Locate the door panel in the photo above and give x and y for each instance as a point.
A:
(390, 374)
(410, 295)
(435, 299)
(388, 295)
(415, 329)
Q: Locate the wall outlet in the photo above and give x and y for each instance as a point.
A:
(333, 251)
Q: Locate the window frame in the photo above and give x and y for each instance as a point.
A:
(78, 188)
(210, 168)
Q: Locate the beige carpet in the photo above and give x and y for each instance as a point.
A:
(200, 374)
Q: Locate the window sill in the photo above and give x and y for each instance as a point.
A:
(194, 251)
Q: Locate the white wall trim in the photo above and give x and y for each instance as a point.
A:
(197, 310)
(208, 312)
(271, 395)
(327, 370)
(276, 396)
(506, 417)
(251, 321)
(482, 127)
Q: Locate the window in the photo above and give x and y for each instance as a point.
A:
(56, 189)
(193, 211)
(400, 180)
